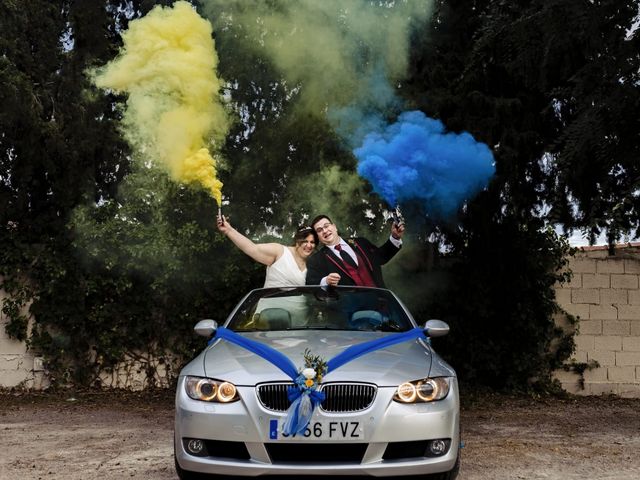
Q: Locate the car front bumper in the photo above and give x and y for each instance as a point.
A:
(386, 425)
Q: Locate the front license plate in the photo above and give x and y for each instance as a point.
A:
(343, 430)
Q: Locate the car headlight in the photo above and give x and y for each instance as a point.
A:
(210, 390)
(425, 390)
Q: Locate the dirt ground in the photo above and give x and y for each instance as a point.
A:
(114, 436)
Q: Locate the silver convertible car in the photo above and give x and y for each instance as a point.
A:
(316, 381)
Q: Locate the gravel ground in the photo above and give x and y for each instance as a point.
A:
(116, 435)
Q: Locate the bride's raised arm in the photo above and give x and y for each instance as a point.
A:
(264, 253)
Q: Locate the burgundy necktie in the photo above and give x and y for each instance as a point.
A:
(345, 256)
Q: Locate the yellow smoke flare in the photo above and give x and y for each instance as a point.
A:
(167, 66)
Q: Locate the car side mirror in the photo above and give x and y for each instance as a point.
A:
(436, 328)
(206, 328)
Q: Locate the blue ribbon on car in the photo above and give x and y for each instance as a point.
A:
(306, 399)
(355, 351)
(265, 351)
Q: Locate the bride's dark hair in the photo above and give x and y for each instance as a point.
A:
(302, 233)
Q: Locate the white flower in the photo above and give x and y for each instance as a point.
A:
(309, 373)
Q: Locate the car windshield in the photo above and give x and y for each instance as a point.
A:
(316, 308)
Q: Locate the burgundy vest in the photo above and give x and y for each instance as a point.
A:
(361, 275)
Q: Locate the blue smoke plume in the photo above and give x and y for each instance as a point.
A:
(416, 160)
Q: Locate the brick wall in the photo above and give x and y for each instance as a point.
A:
(604, 295)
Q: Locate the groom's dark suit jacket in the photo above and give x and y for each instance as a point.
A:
(325, 261)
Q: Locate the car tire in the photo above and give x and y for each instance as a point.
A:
(188, 475)
(450, 475)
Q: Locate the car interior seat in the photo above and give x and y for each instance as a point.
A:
(275, 318)
(366, 320)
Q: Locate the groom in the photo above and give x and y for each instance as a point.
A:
(349, 262)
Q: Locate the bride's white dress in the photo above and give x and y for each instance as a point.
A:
(284, 272)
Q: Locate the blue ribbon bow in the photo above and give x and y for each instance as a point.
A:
(304, 401)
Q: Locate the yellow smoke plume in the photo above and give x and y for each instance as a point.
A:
(174, 113)
(332, 48)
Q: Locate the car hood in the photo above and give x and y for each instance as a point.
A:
(390, 366)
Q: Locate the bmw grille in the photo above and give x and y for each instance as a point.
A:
(339, 397)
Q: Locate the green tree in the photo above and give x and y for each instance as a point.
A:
(58, 147)
(553, 87)
(540, 82)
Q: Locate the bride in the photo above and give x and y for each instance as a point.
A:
(286, 265)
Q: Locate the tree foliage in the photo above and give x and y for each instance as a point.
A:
(115, 258)
(552, 86)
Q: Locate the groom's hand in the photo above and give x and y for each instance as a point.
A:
(397, 230)
(333, 279)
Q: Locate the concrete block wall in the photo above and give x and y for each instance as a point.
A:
(604, 294)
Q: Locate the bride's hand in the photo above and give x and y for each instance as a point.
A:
(222, 224)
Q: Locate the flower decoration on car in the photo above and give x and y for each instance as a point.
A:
(304, 395)
(315, 367)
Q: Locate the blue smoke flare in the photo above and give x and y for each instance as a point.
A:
(415, 159)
